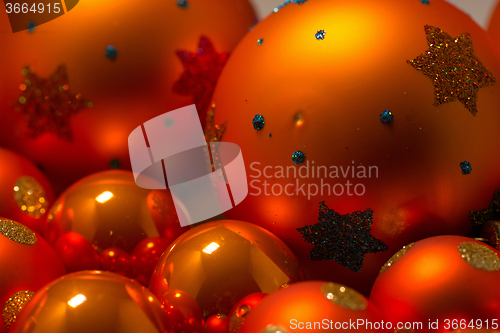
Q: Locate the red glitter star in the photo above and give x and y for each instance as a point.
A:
(47, 104)
(201, 72)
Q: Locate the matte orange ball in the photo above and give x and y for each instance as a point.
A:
(322, 74)
(27, 263)
(313, 307)
(449, 281)
(125, 90)
(25, 193)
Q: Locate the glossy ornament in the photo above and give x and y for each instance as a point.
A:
(93, 301)
(27, 263)
(117, 62)
(311, 307)
(325, 98)
(242, 309)
(107, 211)
(25, 193)
(218, 323)
(182, 312)
(220, 262)
(145, 256)
(441, 278)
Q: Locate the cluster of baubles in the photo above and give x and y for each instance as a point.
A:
(368, 131)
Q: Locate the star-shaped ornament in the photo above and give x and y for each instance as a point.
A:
(47, 104)
(201, 72)
(342, 238)
(457, 73)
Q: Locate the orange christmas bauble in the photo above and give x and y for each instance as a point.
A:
(102, 221)
(27, 263)
(93, 301)
(25, 193)
(314, 306)
(444, 282)
(220, 262)
(103, 69)
(378, 108)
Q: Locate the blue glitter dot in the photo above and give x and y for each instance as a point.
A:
(31, 26)
(386, 117)
(270, 135)
(183, 4)
(258, 122)
(466, 168)
(260, 41)
(425, 2)
(111, 52)
(298, 157)
(320, 34)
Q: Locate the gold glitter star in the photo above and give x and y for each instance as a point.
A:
(456, 71)
(47, 104)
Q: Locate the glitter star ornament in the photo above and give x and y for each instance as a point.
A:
(48, 105)
(439, 278)
(201, 72)
(129, 80)
(344, 239)
(455, 70)
(325, 98)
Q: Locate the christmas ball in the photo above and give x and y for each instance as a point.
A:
(182, 312)
(218, 323)
(312, 307)
(218, 263)
(241, 309)
(93, 301)
(444, 282)
(145, 256)
(81, 83)
(102, 221)
(25, 193)
(374, 121)
(27, 263)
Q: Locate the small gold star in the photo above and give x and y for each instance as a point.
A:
(47, 104)
(456, 71)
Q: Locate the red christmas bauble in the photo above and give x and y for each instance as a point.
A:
(116, 260)
(27, 263)
(241, 309)
(217, 324)
(379, 109)
(145, 256)
(312, 307)
(25, 193)
(182, 312)
(105, 68)
(450, 282)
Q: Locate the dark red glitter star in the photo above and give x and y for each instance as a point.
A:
(201, 72)
(47, 104)
(342, 238)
